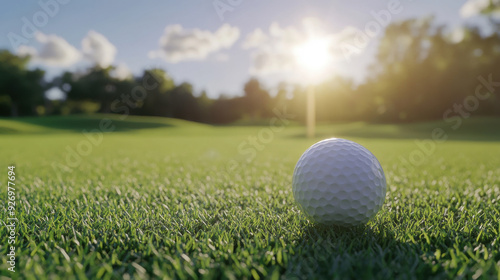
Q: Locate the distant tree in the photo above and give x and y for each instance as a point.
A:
(281, 94)
(159, 85)
(226, 110)
(95, 85)
(21, 89)
(491, 10)
(183, 104)
(297, 105)
(336, 100)
(420, 72)
(204, 103)
(257, 100)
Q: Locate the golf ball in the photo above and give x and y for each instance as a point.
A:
(339, 182)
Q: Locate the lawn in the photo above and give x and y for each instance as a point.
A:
(167, 199)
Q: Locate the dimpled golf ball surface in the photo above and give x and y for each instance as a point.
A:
(339, 182)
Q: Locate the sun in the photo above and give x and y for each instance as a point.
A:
(314, 54)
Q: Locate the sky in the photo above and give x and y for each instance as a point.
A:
(216, 45)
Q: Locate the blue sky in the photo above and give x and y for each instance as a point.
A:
(134, 29)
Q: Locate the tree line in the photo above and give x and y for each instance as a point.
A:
(421, 71)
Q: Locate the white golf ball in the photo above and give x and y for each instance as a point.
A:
(339, 182)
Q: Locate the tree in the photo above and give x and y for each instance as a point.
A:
(257, 100)
(95, 85)
(183, 104)
(336, 100)
(158, 85)
(420, 71)
(227, 110)
(204, 103)
(490, 9)
(21, 89)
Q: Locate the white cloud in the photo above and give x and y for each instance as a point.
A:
(273, 52)
(179, 44)
(255, 39)
(221, 57)
(54, 51)
(27, 50)
(121, 72)
(269, 61)
(97, 48)
(475, 7)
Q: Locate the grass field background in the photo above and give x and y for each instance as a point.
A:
(168, 199)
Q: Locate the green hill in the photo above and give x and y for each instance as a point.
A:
(480, 129)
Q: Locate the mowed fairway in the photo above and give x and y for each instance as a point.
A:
(168, 199)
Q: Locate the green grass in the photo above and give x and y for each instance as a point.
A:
(176, 200)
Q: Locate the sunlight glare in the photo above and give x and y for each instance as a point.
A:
(314, 54)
